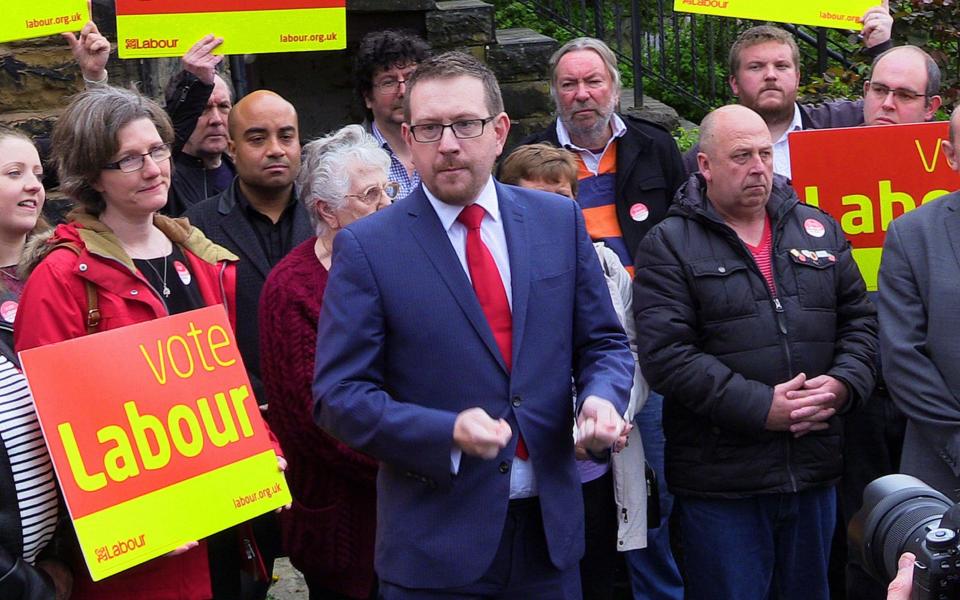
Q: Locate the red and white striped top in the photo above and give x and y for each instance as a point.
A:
(762, 255)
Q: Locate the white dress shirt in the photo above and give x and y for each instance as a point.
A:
(591, 159)
(781, 148)
(523, 481)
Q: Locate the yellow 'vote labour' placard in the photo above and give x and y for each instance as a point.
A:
(840, 14)
(155, 436)
(866, 177)
(155, 28)
(37, 18)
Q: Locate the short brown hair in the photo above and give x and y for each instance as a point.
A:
(540, 162)
(85, 137)
(456, 64)
(760, 35)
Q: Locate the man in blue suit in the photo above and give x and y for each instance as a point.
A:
(453, 324)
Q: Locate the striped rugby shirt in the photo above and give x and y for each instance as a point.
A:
(31, 469)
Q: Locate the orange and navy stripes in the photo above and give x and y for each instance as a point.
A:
(597, 199)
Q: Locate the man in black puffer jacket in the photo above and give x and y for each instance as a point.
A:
(754, 323)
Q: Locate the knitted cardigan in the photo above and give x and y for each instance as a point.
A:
(329, 533)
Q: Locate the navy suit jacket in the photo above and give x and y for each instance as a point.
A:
(403, 346)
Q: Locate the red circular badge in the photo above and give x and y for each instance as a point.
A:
(182, 271)
(639, 212)
(814, 228)
(8, 311)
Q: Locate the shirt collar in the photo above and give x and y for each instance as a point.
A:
(448, 213)
(375, 132)
(795, 125)
(563, 136)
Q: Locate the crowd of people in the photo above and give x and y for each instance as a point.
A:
(490, 374)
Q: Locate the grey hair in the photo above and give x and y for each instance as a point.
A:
(585, 43)
(86, 137)
(325, 171)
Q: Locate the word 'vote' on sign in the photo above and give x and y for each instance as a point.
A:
(155, 436)
(866, 177)
(156, 28)
(840, 14)
(37, 18)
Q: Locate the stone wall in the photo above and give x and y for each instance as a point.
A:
(38, 76)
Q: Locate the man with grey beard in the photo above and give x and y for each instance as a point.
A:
(629, 169)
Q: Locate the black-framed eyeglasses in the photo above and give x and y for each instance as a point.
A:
(464, 130)
(129, 164)
(373, 193)
(899, 94)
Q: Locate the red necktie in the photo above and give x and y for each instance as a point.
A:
(488, 286)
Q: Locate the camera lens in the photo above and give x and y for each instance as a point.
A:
(898, 512)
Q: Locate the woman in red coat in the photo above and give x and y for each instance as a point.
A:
(111, 148)
(329, 532)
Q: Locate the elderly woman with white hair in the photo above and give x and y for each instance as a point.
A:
(329, 533)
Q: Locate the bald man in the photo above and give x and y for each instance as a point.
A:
(259, 219)
(258, 216)
(918, 339)
(758, 334)
(903, 87)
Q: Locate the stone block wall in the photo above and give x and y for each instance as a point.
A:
(37, 77)
(518, 57)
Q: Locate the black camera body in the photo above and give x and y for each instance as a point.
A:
(901, 514)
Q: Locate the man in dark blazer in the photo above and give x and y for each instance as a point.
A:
(919, 314)
(258, 217)
(466, 402)
(648, 169)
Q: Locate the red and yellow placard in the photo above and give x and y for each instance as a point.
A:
(37, 18)
(867, 176)
(155, 28)
(840, 14)
(155, 436)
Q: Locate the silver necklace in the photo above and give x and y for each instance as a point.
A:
(166, 289)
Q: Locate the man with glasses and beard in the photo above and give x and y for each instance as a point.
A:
(385, 61)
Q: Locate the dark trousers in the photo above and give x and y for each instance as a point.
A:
(653, 570)
(318, 592)
(758, 548)
(600, 556)
(873, 442)
(521, 567)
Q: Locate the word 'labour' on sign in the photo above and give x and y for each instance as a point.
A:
(155, 436)
(155, 28)
(866, 177)
(37, 18)
(840, 14)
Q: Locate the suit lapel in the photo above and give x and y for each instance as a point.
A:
(952, 224)
(429, 234)
(238, 229)
(512, 212)
(302, 229)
